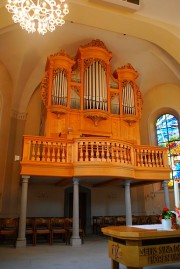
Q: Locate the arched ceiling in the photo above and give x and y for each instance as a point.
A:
(149, 39)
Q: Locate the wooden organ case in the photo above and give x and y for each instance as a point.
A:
(82, 96)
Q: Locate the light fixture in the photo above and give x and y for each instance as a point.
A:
(38, 15)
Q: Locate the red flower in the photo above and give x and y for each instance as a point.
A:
(166, 213)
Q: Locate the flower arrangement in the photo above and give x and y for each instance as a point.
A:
(166, 213)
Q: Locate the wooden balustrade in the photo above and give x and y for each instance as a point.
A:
(50, 153)
(150, 156)
(104, 151)
(88, 150)
(44, 149)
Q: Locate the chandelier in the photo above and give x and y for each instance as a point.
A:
(38, 15)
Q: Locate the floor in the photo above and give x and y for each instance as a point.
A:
(93, 254)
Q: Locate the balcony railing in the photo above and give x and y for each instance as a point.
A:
(89, 150)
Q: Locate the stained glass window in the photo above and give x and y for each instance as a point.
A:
(167, 132)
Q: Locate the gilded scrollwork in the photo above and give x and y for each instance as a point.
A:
(124, 83)
(127, 66)
(113, 95)
(96, 116)
(96, 43)
(139, 102)
(62, 53)
(44, 89)
(59, 70)
(90, 61)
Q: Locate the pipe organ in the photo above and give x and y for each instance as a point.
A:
(81, 94)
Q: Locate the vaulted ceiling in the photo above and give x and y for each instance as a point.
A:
(149, 39)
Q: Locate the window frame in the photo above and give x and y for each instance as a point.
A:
(171, 143)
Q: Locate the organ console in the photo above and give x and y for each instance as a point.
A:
(82, 94)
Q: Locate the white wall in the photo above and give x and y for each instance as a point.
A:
(45, 200)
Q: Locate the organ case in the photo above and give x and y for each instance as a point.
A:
(82, 97)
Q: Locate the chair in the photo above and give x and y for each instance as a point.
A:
(69, 228)
(42, 229)
(58, 228)
(30, 230)
(98, 224)
(9, 229)
(120, 220)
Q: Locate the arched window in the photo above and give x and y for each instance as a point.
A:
(167, 133)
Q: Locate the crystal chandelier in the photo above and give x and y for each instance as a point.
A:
(38, 15)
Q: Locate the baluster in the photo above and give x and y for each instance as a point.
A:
(86, 152)
(117, 153)
(53, 152)
(156, 159)
(145, 157)
(63, 152)
(92, 151)
(137, 157)
(33, 151)
(121, 153)
(103, 153)
(58, 152)
(81, 151)
(141, 157)
(125, 154)
(149, 158)
(48, 151)
(38, 150)
(29, 150)
(128, 155)
(44, 151)
(97, 151)
(108, 152)
(112, 153)
(152, 158)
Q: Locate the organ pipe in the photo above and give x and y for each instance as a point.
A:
(59, 90)
(95, 88)
(128, 100)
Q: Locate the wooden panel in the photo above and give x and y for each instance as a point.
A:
(137, 248)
